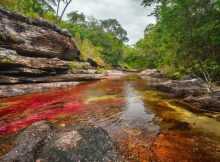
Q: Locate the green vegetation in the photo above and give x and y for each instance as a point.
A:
(185, 39)
(99, 40)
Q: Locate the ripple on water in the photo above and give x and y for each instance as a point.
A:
(146, 124)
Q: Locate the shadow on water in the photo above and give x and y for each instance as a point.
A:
(146, 124)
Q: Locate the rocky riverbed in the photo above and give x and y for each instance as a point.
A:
(190, 89)
(44, 142)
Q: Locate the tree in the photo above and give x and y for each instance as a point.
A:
(57, 3)
(148, 28)
(114, 27)
(193, 27)
(76, 18)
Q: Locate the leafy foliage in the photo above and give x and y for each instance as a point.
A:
(186, 36)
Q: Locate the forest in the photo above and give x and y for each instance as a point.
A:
(185, 39)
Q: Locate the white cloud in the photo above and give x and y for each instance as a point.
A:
(132, 16)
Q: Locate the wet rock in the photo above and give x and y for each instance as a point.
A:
(28, 142)
(80, 142)
(205, 102)
(89, 144)
(181, 88)
(22, 89)
(35, 38)
(191, 91)
(153, 73)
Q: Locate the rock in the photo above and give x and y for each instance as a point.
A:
(115, 74)
(35, 38)
(85, 143)
(205, 102)
(15, 60)
(120, 68)
(28, 142)
(16, 69)
(43, 141)
(153, 73)
(181, 88)
(43, 73)
(49, 79)
(22, 89)
(191, 91)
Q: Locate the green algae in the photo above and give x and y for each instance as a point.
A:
(99, 98)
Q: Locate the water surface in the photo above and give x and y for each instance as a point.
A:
(145, 123)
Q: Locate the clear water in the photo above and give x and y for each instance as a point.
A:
(145, 123)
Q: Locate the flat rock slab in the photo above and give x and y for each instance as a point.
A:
(23, 89)
(191, 91)
(44, 142)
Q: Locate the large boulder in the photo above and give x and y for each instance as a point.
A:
(79, 142)
(35, 38)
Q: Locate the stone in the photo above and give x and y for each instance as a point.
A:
(191, 91)
(49, 79)
(181, 88)
(23, 89)
(153, 73)
(28, 143)
(43, 141)
(35, 38)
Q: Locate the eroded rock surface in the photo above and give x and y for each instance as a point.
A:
(35, 38)
(44, 142)
(191, 90)
(17, 72)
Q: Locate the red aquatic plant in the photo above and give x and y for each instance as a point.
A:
(20, 124)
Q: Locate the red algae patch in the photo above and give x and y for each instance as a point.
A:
(25, 110)
(20, 124)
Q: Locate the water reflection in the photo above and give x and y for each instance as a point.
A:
(135, 118)
(146, 124)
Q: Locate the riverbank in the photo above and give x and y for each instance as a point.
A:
(190, 90)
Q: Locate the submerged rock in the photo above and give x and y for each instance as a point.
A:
(44, 142)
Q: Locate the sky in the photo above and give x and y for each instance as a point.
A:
(132, 16)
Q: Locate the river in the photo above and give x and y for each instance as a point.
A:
(146, 124)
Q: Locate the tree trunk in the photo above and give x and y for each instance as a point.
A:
(68, 2)
(58, 8)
